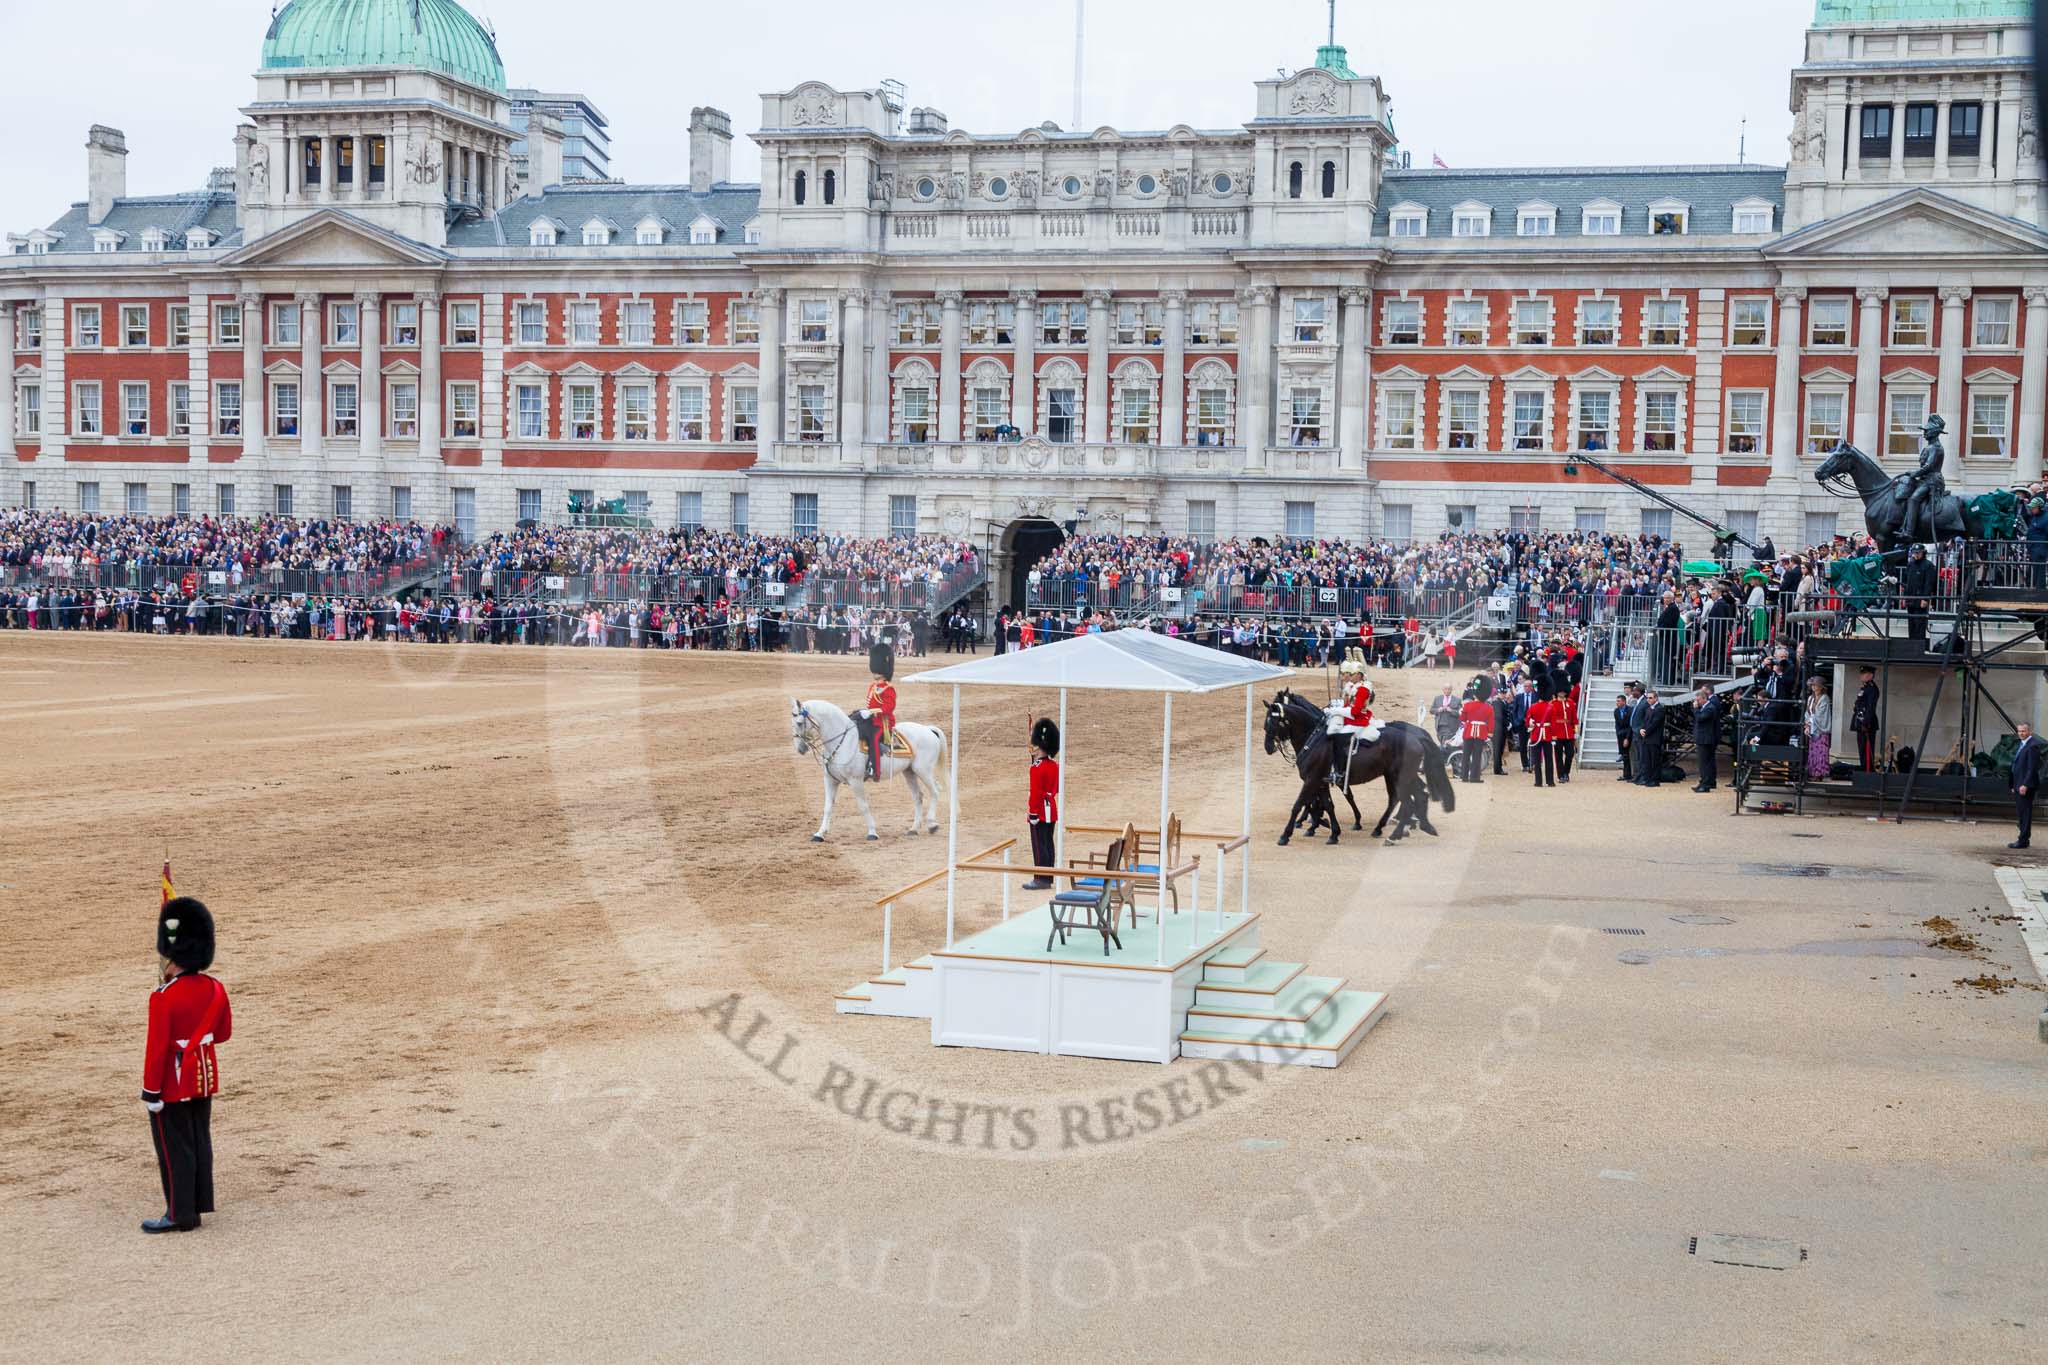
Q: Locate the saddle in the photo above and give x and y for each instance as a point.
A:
(897, 747)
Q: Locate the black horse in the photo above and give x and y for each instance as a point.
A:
(1404, 756)
(1849, 472)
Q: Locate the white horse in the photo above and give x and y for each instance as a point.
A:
(821, 729)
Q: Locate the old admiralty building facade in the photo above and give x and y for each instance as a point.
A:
(1275, 329)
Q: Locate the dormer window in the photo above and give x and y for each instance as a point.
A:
(1408, 221)
(1669, 218)
(106, 240)
(1600, 219)
(1753, 218)
(155, 239)
(1536, 220)
(597, 233)
(38, 246)
(1471, 220)
(542, 233)
(752, 235)
(198, 239)
(648, 233)
(703, 232)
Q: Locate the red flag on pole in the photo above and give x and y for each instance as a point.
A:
(1438, 162)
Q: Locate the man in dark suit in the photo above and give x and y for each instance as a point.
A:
(1518, 718)
(1863, 721)
(2026, 777)
(1916, 590)
(1649, 725)
(1503, 716)
(1625, 730)
(1708, 708)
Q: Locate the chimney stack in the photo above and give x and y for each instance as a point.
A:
(710, 148)
(928, 121)
(543, 153)
(106, 171)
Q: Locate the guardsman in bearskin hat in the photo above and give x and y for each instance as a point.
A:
(1475, 728)
(880, 711)
(188, 1018)
(1044, 804)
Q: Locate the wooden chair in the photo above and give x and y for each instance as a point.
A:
(1168, 860)
(1088, 904)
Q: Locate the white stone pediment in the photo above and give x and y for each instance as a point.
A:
(329, 239)
(1828, 375)
(1916, 223)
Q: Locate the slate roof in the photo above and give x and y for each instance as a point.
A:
(174, 213)
(729, 205)
(1711, 191)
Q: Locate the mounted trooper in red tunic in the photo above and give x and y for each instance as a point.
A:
(878, 718)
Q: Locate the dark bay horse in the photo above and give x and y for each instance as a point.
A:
(1405, 757)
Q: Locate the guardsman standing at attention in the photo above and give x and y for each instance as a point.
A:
(880, 711)
(1564, 714)
(1044, 803)
(1475, 722)
(188, 1017)
(1542, 738)
(1863, 721)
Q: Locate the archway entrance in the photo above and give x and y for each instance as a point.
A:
(1029, 540)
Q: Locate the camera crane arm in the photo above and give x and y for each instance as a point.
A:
(1722, 535)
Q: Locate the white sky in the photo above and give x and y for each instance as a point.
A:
(1478, 82)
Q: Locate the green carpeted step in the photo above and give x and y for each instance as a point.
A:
(1264, 978)
(1295, 1006)
(1326, 1038)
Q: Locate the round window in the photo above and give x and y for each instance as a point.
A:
(1146, 184)
(1072, 184)
(1221, 184)
(926, 188)
(998, 187)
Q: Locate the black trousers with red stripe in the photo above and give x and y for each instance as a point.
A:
(183, 1134)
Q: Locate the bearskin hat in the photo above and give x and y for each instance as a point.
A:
(882, 660)
(1482, 687)
(184, 933)
(1045, 735)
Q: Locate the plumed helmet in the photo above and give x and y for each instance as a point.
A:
(1045, 735)
(882, 660)
(1353, 662)
(184, 933)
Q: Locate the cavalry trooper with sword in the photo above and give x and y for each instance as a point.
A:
(1349, 718)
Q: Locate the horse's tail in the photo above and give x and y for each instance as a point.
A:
(1441, 789)
(938, 778)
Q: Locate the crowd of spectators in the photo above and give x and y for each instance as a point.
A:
(77, 544)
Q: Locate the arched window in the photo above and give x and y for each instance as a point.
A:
(831, 186)
(1329, 180)
(800, 178)
(1294, 180)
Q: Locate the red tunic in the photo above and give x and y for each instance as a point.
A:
(1477, 718)
(1358, 711)
(1045, 790)
(177, 1064)
(1540, 722)
(1566, 713)
(882, 698)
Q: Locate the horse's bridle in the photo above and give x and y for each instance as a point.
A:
(813, 734)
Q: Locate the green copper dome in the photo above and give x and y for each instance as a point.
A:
(1826, 12)
(434, 35)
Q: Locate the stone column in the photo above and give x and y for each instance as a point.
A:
(430, 376)
(949, 365)
(1785, 392)
(370, 391)
(853, 375)
(1941, 117)
(312, 384)
(1869, 385)
(1254, 373)
(1097, 417)
(255, 398)
(1173, 386)
(1351, 424)
(7, 418)
(2033, 387)
(1948, 381)
(1024, 363)
(882, 310)
(769, 396)
(1898, 166)
(1985, 150)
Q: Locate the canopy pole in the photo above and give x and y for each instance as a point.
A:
(952, 813)
(1245, 868)
(1165, 780)
(1059, 824)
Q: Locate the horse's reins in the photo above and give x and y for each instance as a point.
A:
(819, 745)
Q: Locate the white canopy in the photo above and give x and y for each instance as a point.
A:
(1114, 661)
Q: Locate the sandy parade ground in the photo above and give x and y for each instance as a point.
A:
(535, 1054)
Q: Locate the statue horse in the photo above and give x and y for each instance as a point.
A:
(1849, 472)
(829, 734)
(1410, 762)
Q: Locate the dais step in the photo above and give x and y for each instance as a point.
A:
(1326, 1041)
